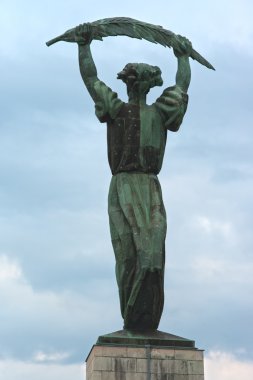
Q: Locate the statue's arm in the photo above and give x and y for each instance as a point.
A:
(183, 76)
(173, 101)
(87, 68)
(83, 37)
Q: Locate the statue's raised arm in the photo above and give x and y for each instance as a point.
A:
(182, 52)
(107, 103)
(88, 70)
(172, 104)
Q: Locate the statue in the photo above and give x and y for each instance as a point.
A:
(136, 136)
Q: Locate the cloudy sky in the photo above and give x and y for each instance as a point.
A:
(57, 286)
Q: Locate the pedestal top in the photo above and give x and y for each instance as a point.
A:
(144, 338)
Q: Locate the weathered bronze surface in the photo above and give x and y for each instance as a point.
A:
(143, 338)
(136, 135)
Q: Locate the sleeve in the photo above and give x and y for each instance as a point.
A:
(172, 105)
(107, 104)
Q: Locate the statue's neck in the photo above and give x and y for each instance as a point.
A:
(134, 98)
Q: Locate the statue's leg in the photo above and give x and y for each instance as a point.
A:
(123, 246)
(150, 295)
(140, 199)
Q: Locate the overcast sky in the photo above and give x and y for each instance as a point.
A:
(58, 290)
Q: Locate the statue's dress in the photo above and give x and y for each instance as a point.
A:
(136, 138)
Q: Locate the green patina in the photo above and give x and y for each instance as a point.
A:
(136, 136)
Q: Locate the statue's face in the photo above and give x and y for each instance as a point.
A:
(141, 77)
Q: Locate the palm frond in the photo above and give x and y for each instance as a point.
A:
(124, 26)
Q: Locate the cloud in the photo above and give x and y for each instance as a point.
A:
(9, 270)
(17, 370)
(56, 326)
(41, 356)
(210, 226)
(226, 366)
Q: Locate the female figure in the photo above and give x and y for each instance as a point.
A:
(136, 136)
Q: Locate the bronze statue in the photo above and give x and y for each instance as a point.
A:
(136, 136)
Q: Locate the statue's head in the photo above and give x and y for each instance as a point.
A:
(140, 77)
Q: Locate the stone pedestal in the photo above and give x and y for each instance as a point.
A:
(115, 361)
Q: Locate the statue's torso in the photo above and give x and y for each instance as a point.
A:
(136, 139)
(136, 134)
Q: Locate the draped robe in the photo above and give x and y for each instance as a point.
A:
(136, 138)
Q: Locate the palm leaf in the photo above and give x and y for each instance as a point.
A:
(124, 26)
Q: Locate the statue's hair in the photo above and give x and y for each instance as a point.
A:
(141, 72)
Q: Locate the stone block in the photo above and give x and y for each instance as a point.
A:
(162, 366)
(88, 372)
(122, 376)
(141, 365)
(110, 375)
(100, 363)
(112, 351)
(95, 375)
(134, 363)
(158, 353)
(124, 364)
(135, 376)
(156, 366)
(159, 376)
(136, 352)
(189, 354)
(188, 377)
(189, 367)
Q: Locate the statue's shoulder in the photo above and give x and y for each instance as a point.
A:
(172, 105)
(107, 102)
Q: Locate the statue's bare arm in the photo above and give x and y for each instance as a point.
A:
(183, 76)
(87, 66)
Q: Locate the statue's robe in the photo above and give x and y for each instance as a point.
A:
(136, 138)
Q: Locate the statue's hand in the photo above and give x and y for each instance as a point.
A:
(82, 34)
(184, 47)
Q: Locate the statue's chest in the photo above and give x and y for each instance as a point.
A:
(126, 128)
